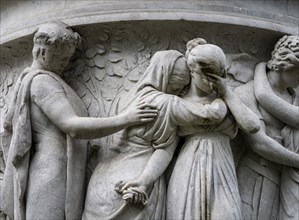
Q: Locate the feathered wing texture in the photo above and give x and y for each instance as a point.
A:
(113, 57)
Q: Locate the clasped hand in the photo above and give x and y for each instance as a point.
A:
(132, 192)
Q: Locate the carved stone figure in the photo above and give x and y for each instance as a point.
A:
(268, 192)
(203, 184)
(142, 153)
(275, 93)
(45, 163)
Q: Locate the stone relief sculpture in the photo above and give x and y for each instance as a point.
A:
(275, 91)
(142, 153)
(113, 58)
(267, 191)
(203, 184)
(45, 162)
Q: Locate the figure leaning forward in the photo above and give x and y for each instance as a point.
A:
(45, 160)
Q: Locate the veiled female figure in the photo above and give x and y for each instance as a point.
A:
(203, 184)
(141, 154)
(45, 155)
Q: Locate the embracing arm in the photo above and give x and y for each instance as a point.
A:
(275, 105)
(49, 96)
(187, 112)
(155, 167)
(246, 119)
(267, 147)
(61, 113)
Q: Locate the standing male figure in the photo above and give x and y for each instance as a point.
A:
(262, 187)
(45, 163)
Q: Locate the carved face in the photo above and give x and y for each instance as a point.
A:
(201, 82)
(175, 85)
(180, 77)
(56, 59)
(199, 79)
(203, 59)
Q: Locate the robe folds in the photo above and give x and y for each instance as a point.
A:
(22, 134)
(203, 184)
(289, 191)
(131, 149)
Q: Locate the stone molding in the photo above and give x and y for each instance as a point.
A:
(19, 18)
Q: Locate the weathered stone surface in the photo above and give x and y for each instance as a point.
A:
(20, 18)
(120, 50)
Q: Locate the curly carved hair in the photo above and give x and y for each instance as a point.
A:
(54, 34)
(285, 55)
(204, 57)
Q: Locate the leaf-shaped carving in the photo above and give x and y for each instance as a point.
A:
(91, 63)
(101, 49)
(74, 82)
(144, 35)
(106, 29)
(99, 61)
(87, 99)
(5, 91)
(133, 75)
(153, 40)
(140, 46)
(85, 76)
(115, 47)
(100, 74)
(112, 82)
(1, 102)
(134, 58)
(118, 69)
(115, 58)
(103, 36)
(9, 80)
(81, 90)
(128, 85)
(94, 109)
(91, 52)
(5, 109)
(118, 35)
(109, 94)
(126, 67)
(147, 53)
(143, 66)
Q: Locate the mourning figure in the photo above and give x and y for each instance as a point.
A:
(203, 184)
(130, 183)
